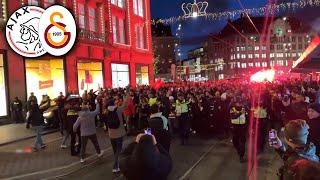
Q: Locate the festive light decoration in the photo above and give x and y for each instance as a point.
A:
(194, 9)
(270, 8)
(4, 10)
(263, 76)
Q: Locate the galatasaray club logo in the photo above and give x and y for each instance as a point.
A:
(22, 31)
(57, 29)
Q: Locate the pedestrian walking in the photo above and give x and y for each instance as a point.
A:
(182, 110)
(36, 120)
(116, 129)
(239, 127)
(86, 122)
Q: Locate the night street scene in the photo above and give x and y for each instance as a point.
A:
(160, 89)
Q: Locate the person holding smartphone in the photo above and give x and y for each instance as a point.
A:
(295, 147)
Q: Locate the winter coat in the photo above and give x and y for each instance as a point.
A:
(86, 121)
(292, 155)
(314, 133)
(35, 117)
(120, 132)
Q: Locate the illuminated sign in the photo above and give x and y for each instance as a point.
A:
(22, 31)
(57, 29)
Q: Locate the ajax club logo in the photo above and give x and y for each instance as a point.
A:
(32, 31)
(22, 31)
(57, 29)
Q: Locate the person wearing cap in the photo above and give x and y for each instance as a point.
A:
(297, 147)
(314, 123)
(238, 116)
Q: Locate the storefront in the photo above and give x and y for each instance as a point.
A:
(90, 75)
(45, 76)
(3, 94)
(120, 75)
(142, 74)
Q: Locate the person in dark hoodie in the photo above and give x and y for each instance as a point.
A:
(37, 121)
(297, 147)
(314, 123)
(86, 121)
(145, 160)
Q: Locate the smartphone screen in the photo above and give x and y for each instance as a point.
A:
(273, 137)
(148, 131)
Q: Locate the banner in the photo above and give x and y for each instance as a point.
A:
(45, 84)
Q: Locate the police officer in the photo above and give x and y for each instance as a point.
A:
(16, 109)
(182, 110)
(238, 116)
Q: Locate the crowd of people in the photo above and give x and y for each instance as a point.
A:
(220, 108)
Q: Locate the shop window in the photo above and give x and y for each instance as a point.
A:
(47, 3)
(45, 77)
(119, 32)
(92, 19)
(140, 39)
(90, 75)
(142, 75)
(3, 96)
(33, 2)
(120, 75)
(82, 15)
(138, 7)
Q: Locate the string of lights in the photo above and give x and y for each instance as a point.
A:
(269, 8)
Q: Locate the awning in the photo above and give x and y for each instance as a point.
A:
(309, 61)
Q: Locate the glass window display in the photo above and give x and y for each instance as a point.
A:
(120, 75)
(90, 76)
(142, 75)
(45, 77)
(3, 97)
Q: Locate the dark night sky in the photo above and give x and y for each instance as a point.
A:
(195, 31)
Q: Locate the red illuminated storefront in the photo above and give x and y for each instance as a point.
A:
(113, 49)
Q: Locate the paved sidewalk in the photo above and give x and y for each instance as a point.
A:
(17, 159)
(16, 132)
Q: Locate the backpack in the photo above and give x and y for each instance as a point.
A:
(113, 121)
(156, 123)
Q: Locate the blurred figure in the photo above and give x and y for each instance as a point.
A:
(35, 118)
(145, 160)
(314, 124)
(16, 110)
(238, 116)
(297, 147)
(86, 122)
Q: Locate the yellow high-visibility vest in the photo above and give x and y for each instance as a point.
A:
(241, 119)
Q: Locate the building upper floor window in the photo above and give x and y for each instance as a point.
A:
(271, 47)
(257, 64)
(300, 46)
(119, 3)
(299, 39)
(243, 56)
(138, 7)
(264, 55)
(140, 37)
(92, 19)
(250, 56)
(250, 64)
(119, 31)
(47, 3)
(33, 2)
(243, 48)
(271, 55)
(81, 15)
(244, 65)
(264, 64)
(256, 55)
(256, 48)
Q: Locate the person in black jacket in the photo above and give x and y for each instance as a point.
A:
(144, 159)
(314, 124)
(35, 118)
(16, 109)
